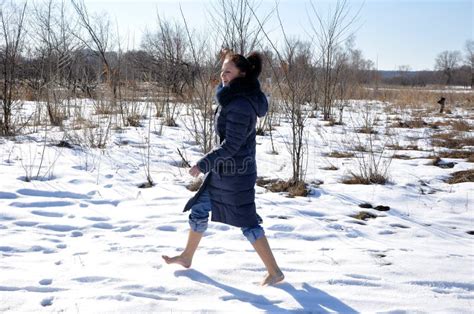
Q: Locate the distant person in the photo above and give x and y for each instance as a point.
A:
(228, 190)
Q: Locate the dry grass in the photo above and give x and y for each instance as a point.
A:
(358, 179)
(410, 124)
(331, 167)
(337, 154)
(363, 215)
(452, 140)
(417, 123)
(195, 185)
(277, 185)
(134, 120)
(461, 126)
(298, 189)
(458, 154)
(418, 98)
(360, 148)
(404, 157)
(367, 130)
(461, 176)
(436, 125)
(398, 147)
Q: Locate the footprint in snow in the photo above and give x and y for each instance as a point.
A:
(365, 277)
(46, 282)
(8, 195)
(103, 225)
(25, 223)
(446, 287)
(220, 227)
(47, 301)
(58, 228)
(384, 232)
(52, 194)
(311, 213)
(166, 228)
(41, 204)
(399, 226)
(282, 227)
(76, 234)
(126, 228)
(353, 282)
(215, 252)
(135, 236)
(151, 296)
(97, 218)
(6, 218)
(47, 214)
(94, 279)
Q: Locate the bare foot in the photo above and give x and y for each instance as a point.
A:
(270, 280)
(186, 263)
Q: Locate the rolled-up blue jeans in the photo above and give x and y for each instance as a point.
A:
(199, 217)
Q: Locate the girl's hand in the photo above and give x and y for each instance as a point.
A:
(194, 171)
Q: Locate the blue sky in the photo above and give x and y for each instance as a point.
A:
(391, 32)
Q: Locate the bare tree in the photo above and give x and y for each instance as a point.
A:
(330, 33)
(469, 58)
(370, 148)
(354, 72)
(447, 62)
(12, 34)
(294, 83)
(204, 61)
(295, 95)
(236, 26)
(100, 42)
(168, 49)
(54, 45)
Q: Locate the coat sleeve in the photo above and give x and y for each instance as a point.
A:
(236, 125)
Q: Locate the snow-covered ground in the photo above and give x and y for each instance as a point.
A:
(85, 239)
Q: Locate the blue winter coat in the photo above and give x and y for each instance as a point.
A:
(230, 168)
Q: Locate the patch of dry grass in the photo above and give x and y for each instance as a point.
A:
(195, 185)
(358, 179)
(363, 215)
(452, 140)
(458, 154)
(419, 98)
(401, 156)
(398, 147)
(410, 124)
(337, 154)
(461, 126)
(277, 185)
(366, 130)
(461, 176)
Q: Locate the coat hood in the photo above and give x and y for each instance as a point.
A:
(242, 87)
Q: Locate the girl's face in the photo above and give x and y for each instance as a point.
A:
(229, 72)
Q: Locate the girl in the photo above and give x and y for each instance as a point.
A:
(228, 190)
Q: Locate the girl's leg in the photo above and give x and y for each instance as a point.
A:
(198, 220)
(257, 237)
(186, 258)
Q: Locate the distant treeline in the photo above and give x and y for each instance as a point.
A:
(461, 77)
